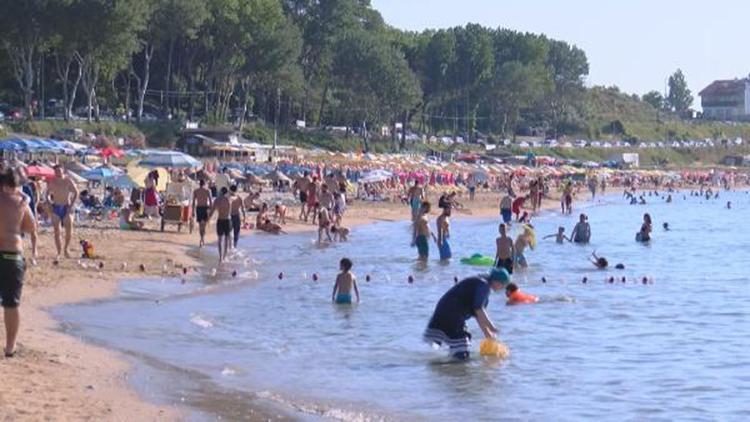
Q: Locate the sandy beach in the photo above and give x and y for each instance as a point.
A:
(55, 376)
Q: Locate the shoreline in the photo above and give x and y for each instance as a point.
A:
(80, 379)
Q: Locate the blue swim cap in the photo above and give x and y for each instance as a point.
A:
(500, 275)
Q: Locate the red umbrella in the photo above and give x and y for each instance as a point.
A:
(41, 172)
(111, 152)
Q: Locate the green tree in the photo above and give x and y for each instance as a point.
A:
(655, 99)
(680, 98)
(569, 68)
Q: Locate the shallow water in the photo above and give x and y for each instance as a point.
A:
(674, 349)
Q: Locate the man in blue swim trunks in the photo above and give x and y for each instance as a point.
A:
(466, 299)
(444, 233)
(345, 282)
(422, 232)
(62, 193)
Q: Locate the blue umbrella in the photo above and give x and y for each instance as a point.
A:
(9, 146)
(98, 174)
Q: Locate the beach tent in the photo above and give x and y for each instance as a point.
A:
(170, 159)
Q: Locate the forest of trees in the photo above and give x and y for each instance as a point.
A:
(326, 62)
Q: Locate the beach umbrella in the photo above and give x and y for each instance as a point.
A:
(41, 172)
(277, 176)
(99, 173)
(123, 181)
(171, 159)
(111, 152)
(9, 146)
(255, 180)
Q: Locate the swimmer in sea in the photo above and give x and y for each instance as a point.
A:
(729, 205)
(582, 231)
(666, 226)
(415, 196)
(444, 233)
(345, 282)
(644, 235)
(560, 237)
(599, 261)
(516, 296)
(504, 250)
(466, 299)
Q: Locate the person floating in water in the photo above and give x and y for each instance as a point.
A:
(599, 261)
(644, 235)
(516, 296)
(345, 282)
(444, 233)
(666, 226)
(504, 250)
(422, 233)
(466, 299)
(560, 237)
(729, 205)
(582, 231)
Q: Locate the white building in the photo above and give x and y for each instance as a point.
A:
(727, 100)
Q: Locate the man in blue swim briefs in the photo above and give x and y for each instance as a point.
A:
(345, 282)
(62, 193)
(16, 220)
(466, 299)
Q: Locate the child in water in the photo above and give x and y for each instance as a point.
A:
(560, 237)
(516, 296)
(599, 261)
(345, 281)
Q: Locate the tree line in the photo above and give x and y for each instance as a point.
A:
(325, 62)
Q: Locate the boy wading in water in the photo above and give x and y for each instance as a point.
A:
(505, 250)
(16, 220)
(422, 232)
(345, 282)
(467, 299)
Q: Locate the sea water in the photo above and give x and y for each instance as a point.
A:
(674, 348)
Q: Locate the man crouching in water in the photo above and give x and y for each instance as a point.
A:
(16, 220)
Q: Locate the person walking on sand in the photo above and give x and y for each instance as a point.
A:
(504, 250)
(301, 185)
(222, 207)
(415, 196)
(202, 202)
(17, 220)
(443, 234)
(466, 299)
(62, 194)
(582, 231)
(237, 206)
(346, 281)
(422, 232)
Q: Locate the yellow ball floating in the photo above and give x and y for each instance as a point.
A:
(493, 348)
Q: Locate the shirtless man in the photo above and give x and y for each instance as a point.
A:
(443, 234)
(415, 196)
(62, 194)
(237, 206)
(279, 213)
(17, 219)
(422, 232)
(326, 198)
(312, 199)
(302, 185)
(222, 207)
(202, 202)
(505, 250)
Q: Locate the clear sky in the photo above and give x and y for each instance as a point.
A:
(634, 44)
